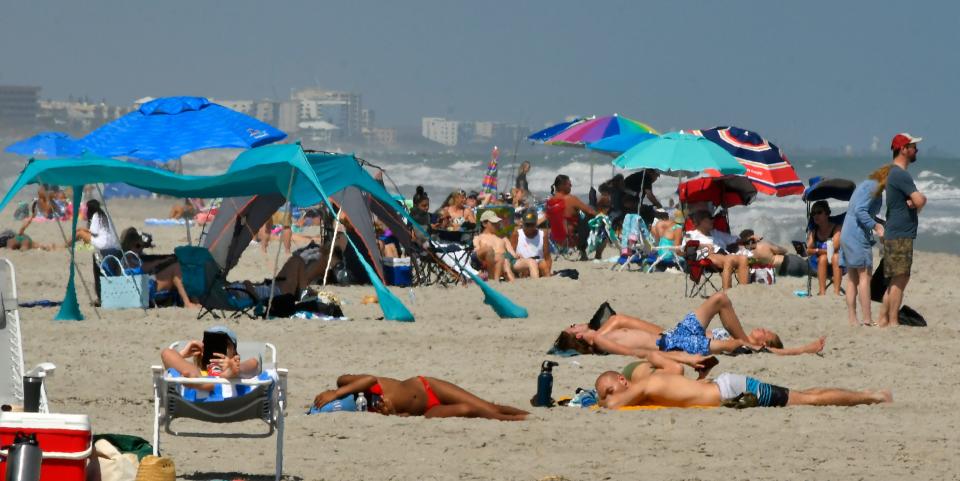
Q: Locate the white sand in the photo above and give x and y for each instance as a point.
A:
(103, 370)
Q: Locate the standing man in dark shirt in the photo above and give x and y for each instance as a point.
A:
(904, 202)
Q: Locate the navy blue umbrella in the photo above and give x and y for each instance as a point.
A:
(47, 144)
(170, 127)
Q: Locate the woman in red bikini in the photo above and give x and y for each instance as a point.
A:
(419, 396)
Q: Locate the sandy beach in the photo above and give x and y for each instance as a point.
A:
(103, 369)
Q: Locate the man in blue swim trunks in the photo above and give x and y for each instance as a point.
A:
(635, 337)
(732, 390)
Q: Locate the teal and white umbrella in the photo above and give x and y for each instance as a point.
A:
(679, 154)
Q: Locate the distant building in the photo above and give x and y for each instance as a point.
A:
(381, 136)
(317, 133)
(242, 106)
(441, 130)
(78, 117)
(289, 116)
(342, 109)
(19, 107)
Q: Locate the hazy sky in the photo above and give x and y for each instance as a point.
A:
(806, 74)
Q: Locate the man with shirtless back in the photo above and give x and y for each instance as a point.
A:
(635, 337)
(419, 396)
(665, 388)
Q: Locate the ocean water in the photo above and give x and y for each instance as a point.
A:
(778, 219)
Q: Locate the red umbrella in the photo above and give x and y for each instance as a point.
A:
(725, 191)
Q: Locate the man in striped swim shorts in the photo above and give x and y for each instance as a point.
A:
(733, 390)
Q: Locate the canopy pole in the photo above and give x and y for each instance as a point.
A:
(333, 241)
(276, 259)
(83, 281)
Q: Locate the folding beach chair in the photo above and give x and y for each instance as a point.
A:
(563, 241)
(265, 401)
(699, 272)
(823, 189)
(449, 256)
(11, 344)
(205, 280)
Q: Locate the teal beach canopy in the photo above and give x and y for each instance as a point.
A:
(305, 179)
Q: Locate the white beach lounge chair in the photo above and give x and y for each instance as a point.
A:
(11, 344)
(266, 401)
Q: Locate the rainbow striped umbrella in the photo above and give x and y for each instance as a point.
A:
(597, 129)
(490, 180)
(767, 167)
(545, 134)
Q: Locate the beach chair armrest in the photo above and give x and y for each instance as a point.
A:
(215, 380)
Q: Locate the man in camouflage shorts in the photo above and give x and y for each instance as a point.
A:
(904, 202)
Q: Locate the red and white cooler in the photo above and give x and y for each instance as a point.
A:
(64, 438)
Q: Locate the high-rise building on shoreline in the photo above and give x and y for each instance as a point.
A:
(19, 106)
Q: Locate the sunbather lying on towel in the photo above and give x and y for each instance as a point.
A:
(188, 362)
(420, 396)
(635, 337)
(662, 388)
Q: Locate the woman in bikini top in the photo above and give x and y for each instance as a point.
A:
(419, 396)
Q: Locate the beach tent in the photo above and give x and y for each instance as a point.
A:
(271, 169)
(239, 218)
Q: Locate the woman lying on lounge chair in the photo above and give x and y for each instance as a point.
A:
(223, 360)
(419, 396)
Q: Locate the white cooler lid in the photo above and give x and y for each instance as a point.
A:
(75, 422)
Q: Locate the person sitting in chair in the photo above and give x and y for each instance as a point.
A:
(823, 242)
(716, 245)
(532, 247)
(188, 361)
(419, 396)
(490, 250)
(164, 268)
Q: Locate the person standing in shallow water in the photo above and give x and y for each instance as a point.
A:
(904, 203)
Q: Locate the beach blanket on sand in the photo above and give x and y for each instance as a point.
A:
(162, 222)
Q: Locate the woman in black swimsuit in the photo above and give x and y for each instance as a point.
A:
(823, 231)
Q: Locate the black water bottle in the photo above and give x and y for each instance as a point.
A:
(545, 385)
(23, 458)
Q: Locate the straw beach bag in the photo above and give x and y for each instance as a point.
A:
(156, 468)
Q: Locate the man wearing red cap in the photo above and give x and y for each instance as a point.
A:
(904, 202)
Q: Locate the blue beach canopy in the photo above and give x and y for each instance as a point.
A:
(272, 169)
(170, 127)
(47, 144)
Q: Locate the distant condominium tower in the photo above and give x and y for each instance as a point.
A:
(19, 106)
(441, 130)
(342, 109)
